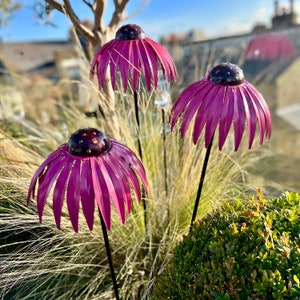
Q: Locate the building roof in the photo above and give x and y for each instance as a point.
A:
(23, 57)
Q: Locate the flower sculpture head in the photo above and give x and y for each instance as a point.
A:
(221, 99)
(90, 166)
(133, 55)
(269, 47)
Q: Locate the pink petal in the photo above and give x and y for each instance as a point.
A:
(226, 117)
(115, 187)
(115, 56)
(152, 58)
(125, 64)
(209, 92)
(167, 63)
(73, 194)
(135, 65)
(102, 62)
(45, 183)
(40, 170)
(129, 173)
(145, 65)
(59, 190)
(118, 170)
(239, 117)
(190, 110)
(259, 115)
(132, 160)
(214, 112)
(87, 193)
(264, 113)
(183, 99)
(250, 114)
(101, 192)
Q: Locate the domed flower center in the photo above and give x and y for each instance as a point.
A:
(130, 32)
(88, 142)
(226, 74)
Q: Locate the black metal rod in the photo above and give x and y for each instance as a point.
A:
(138, 129)
(136, 108)
(202, 177)
(163, 115)
(109, 258)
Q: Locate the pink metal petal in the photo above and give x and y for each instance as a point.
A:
(40, 170)
(250, 114)
(122, 177)
(214, 112)
(115, 56)
(73, 194)
(145, 64)
(265, 115)
(115, 187)
(136, 68)
(101, 62)
(167, 63)
(130, 159)
(190, 110)
(129, 173)
(183, 99)
(152, 58)
(60, 189)
(45, 183)
(125, 64)
(259, 115)
(209, 92)
(87, 193)
(239, 117)
(226, 117)
(101, 192)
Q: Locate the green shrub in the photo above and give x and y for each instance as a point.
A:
(245, 250)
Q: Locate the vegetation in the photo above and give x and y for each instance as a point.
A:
(40, 262)
(37, 261)
(246, 249)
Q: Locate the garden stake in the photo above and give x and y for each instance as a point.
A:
(163, 116)
(200, 186)
(108, 252)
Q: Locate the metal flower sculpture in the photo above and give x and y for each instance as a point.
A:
(89, 168)
(222, 99)
(270, 47)
(133, 55)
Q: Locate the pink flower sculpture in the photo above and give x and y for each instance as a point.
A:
(90, 166)
(269, 47)
(133, 55)
(223, 98)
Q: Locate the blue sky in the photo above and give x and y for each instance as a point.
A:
(159, 17)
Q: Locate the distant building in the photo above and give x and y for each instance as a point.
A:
(284, 18)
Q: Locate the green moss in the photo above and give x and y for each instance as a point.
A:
(245, 250)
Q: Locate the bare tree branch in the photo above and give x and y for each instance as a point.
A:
(56, 5)
(118, 14)
(67, 10)
(139, 10)
(98, 14)
(88, 3)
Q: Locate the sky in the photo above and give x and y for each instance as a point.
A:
(159, 17)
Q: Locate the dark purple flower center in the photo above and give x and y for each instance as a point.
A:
(130, 32)
(226, 74)
(88, 142)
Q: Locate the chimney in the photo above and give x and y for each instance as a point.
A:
(276, 4)
(292, 6)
